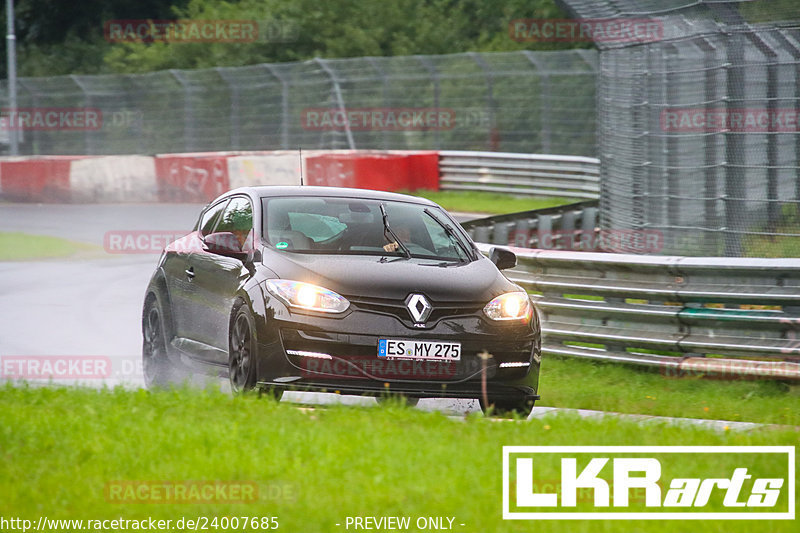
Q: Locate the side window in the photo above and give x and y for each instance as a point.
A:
(237, 219)
(210, 217)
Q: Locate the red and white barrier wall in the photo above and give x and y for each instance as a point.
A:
(200, 177)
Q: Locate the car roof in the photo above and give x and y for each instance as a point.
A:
(267, 191)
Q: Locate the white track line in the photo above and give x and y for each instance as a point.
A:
(719, 425)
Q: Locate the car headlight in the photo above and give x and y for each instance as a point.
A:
(510, 306)
(307, 296)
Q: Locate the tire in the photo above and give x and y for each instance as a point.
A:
(156, 367)
(408, 401)
(242, 350)
(508, 408)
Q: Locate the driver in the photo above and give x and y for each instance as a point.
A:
(242, 226)
(403, 233)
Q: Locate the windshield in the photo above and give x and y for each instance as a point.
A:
(356, 227)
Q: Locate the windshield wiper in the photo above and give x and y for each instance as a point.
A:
(448, 229)
(392, 236)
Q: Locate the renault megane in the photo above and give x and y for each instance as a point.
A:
(341, 290)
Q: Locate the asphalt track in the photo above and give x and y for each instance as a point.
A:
(90, 304)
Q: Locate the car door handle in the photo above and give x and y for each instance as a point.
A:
(190, 272)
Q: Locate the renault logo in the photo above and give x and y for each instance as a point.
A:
(419, 307)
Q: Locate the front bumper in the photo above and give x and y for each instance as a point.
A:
(304, 351)
(495, 391)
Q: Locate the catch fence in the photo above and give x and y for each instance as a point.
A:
(529, 102)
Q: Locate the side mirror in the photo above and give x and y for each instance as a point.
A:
(224, 243)
(503, 258)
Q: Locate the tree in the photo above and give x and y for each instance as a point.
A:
(57, 37)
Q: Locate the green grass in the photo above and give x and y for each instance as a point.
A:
(604, 386)
(490, 203)
(23, 247)
(777, 246)
(62, 448)
(763, 246)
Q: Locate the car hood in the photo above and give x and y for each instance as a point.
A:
(394, 278)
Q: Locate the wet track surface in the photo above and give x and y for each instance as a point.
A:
(90, 304)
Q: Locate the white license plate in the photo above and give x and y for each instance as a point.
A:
(427, 350)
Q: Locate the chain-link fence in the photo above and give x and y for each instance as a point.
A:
(698, 130)
(515, 102)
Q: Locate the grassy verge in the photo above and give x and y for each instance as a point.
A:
(64, 448)
(762, 246)
(490, 203)
(22, 247)
(785, 245)
(612, 387)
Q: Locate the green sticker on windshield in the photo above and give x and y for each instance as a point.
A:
(281, 245)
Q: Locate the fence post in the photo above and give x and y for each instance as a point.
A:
(234, 94)
(384, 84)
(338, 92)
(735, 207)
(672, 175)
(188, 112)
(132, 88)
(544, 103)
(36, 134)
(794, 51)
(710, 240)
(88, 140)
(773, 211)
(284, 104)
(490, 101)
(436, 90)
(796, 54)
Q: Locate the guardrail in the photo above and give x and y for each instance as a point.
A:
(527, 174)
(682, 314)
(191, 177)
(560, 227)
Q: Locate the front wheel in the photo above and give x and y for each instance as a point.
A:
(507, 408)
(242, 350)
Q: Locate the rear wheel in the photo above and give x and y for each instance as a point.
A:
(157, 370)
(506, 408)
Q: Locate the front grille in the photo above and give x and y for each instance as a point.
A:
(399, 310)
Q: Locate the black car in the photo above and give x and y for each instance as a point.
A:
(340, 290)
